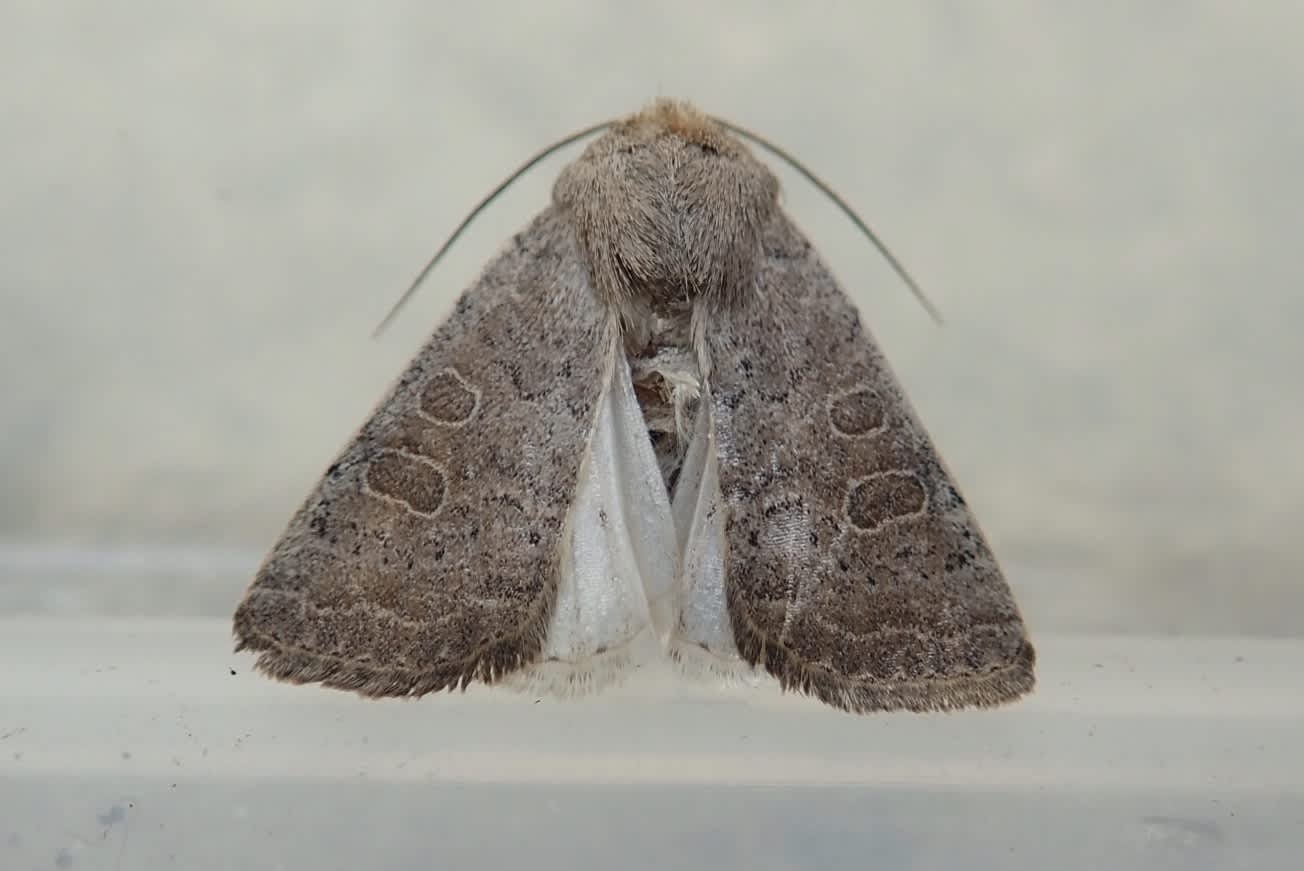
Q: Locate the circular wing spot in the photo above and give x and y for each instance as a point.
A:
(448, 398)
(416, 483)
(857, 412)
(885, 497)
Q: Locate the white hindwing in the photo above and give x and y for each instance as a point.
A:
(613, 602)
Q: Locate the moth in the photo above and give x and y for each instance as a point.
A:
(655, 419)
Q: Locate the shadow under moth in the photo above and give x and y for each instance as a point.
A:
(654, 421)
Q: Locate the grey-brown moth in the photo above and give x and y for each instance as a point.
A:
(655, 416)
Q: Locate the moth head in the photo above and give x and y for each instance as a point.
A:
(669, 206)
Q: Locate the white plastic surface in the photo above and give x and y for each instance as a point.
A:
(145, 744)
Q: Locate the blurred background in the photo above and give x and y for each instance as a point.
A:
(206, 210)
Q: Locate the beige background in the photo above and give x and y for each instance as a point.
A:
(206, 209)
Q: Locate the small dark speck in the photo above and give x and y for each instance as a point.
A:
(233, 672)
(126, 754)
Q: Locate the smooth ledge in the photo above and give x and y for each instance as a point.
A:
(168, 698)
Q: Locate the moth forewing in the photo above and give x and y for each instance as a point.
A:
(854, 569)
(427, 555)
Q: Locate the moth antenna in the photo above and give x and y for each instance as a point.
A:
(846, 210)
(480, 207)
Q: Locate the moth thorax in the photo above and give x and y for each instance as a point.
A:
(661, 217)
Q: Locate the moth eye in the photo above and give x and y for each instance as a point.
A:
(856, 413)
(449, 398)
(414, 482)
(884, 497)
